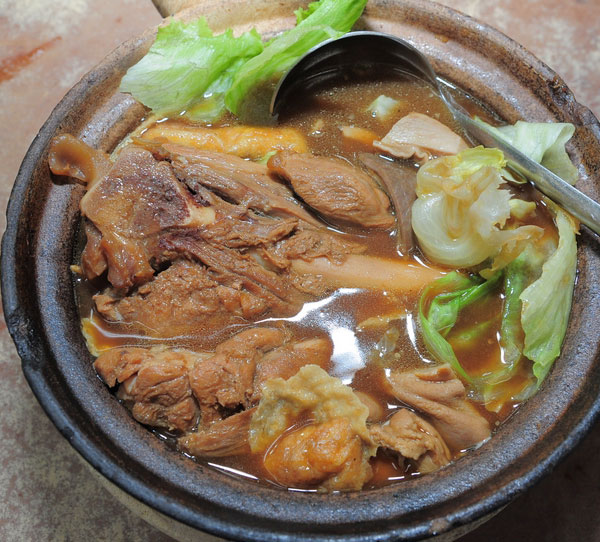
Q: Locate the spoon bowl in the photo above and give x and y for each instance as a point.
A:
(365, 52)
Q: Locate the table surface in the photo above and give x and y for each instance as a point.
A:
(46, 494)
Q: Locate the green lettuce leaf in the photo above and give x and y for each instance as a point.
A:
(459, 292)
(186, 64)
(547, 301)
(543, 142)
(322, 20)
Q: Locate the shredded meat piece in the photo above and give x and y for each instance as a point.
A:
(277, 291)
(183, 299)
(420, 136)
(246, 183)
(440, 394)
(155, 382)
(413, 438)
(308, 244)
(226, 379)
(338, 190)
(221, 438)
(329, 455)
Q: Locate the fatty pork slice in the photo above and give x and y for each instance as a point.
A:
(420, 136)
(438, 392)
(129, 207)
(339, 191)
(413, 438)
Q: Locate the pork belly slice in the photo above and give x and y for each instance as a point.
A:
(438, 392)
(339, 191)
(413, 438)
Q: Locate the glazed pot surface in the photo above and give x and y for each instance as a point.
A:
(41, 312)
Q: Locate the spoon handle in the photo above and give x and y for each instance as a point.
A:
(572, 200)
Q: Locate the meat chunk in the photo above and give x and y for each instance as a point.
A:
(329, 455)
(338, 190)
(308, 244)
(439, 393)
(221, 438)
(246, 183)
(420, 136)
(177, 388)
(400, 183)
(226, 379)
(413, 438)
(93, 259)
(184, 299)
(130, 206)
(275, 289)
(154, 382)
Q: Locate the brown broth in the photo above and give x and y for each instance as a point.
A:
(355, 359)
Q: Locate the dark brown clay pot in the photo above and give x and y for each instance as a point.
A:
(41, 313)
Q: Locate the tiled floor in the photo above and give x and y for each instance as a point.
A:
(45, 493)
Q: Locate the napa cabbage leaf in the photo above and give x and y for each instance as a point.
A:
(461, 210)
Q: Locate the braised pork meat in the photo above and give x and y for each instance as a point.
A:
(438, 392)
(341, 192)
(208, 397)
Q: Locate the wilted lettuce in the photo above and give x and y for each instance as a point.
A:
(187, 64)
(543, 142)
(189, 68)
(320, 21)
(438, 319)
(547, 301)
(537, 290)
(461, 209)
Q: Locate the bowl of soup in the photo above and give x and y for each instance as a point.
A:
(229, 319)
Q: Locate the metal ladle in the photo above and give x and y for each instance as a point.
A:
(366, 52)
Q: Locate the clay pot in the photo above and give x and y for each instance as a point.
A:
(41, 313)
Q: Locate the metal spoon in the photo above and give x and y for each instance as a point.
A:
(367, 52)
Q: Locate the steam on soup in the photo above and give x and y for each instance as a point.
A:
(258, 297)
